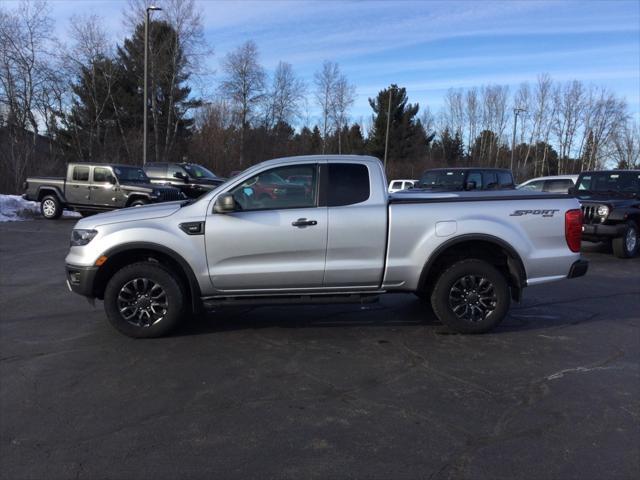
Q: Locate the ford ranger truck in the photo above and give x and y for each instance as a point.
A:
(342, 239)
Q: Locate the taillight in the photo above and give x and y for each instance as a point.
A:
(573, 229)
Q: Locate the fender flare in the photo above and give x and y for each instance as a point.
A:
(194, 286)
(47, 189)
(514, 262)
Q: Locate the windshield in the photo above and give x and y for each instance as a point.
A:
(197, 171)
(443, 178)
(610, 182)
(130, 174)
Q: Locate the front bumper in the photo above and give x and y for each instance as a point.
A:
(578, 269)
(598, 230)
(81, 280)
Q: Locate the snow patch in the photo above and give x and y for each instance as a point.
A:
(14, 208)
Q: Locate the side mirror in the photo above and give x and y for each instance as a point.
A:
(113, 180)
(181, 176)
(572, 191)
(225, 203)
(470, 185)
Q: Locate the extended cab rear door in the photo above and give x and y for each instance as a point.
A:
(357, 221)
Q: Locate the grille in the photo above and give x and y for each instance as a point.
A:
(589, 214)
(170, 195)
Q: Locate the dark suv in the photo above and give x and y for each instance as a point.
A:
(193, 179)
(455, 179)
(611, 208)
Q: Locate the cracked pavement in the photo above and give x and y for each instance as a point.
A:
(345, 391)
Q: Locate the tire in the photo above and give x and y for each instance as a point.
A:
(86, 213)
(139, 202)
(627, 245)
(50, 207)
(486, 303)
(133, 289)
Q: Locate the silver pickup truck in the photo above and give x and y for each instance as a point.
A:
(323, 229)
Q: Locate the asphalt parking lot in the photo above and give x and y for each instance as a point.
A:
(344, 391)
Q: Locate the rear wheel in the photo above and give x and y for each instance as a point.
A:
(144, 300)
(50, 207)
(471, 296)
(627, 245)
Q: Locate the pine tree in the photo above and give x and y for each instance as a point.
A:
(407, 138)
(169, 95)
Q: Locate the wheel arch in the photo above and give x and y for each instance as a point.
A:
(45, 191)
(483, 247)
(126, 254)
(137, 196)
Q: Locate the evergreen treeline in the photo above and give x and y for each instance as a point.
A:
(84, 102)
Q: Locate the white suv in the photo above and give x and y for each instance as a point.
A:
(397, 185)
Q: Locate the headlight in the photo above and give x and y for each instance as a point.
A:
(82, 237)
(603, 211)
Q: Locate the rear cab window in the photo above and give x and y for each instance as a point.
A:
(558, 185)
(348, 184)
(505, 179)
(80, 174)
(490, 180)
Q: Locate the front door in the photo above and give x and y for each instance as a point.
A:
(78, 187)
(277, 239)
(104, 193)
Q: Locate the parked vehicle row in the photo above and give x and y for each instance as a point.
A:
(458, 179)
(610, 200)
(96, 187)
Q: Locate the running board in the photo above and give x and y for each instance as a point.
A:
(267, 300)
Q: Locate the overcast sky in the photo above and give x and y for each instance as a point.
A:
(424, 46)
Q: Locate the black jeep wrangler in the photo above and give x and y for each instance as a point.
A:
(611, 208)
(193, 179)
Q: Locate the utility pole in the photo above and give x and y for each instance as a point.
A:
(516, 111)
(146, 50)
(386, 138)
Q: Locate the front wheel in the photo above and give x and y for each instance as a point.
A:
(144, 300)
(627, 245)
(138, 203)
(50, 207)
(471, 296)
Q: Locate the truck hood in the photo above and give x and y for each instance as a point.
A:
(131, 214)
(611, 200)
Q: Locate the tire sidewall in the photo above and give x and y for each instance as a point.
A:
(138, 203)
(160, 275)
(57, 205)
(631, 226)
(620, 244)
(440, 296)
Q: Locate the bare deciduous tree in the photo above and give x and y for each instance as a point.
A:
(344, 95)
(25, 76)
(244, 85)
(285, 98)
(325, 81)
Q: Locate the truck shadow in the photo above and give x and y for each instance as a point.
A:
(400, 312)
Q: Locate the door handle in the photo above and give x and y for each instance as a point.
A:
(303, 222)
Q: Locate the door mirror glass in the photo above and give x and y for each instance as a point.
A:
(181, 176)
(470, 185)
(113, 180)
(225, 203)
